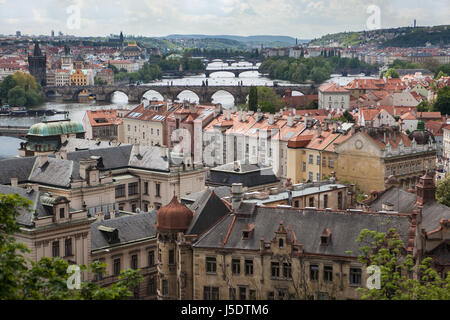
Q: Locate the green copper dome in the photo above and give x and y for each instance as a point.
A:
(46, 129)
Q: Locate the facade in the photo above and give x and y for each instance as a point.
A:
(78, 77)
(103, 124)
(333, 96)
(107, 75)
(37, 65)
(371, 155)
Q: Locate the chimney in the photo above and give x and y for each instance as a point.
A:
(326, 125)
(244, 116)
(237, 194)
(240, 115)
(290, 120)
(426, 189)
(258, 115)
(319, 129)
(43, 159)
(137, 149)
(271, 119)
(14, 182)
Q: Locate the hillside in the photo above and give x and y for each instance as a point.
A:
(251, 41)
(394, 37)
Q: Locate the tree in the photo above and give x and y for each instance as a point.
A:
(17, 97)
(442, 103)
(443, 192)
(386, 251)
(390, 73)
(440, 75)
(347, 116)
(424, 106)
(46, 279)
(268, 100)
(7, 84)
(99, 81)
(253, 98)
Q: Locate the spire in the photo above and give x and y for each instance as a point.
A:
(37, 51)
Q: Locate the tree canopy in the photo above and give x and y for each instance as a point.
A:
(21, 89)
(443, 192)
(46, 279)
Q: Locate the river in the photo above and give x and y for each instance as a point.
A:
(9, 146)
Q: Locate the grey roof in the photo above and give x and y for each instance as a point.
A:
(432, 213)
(249, 175)
(131, 228)
(54, 172)
(221, 192)
(15, 168)
(307, 226)
(115, 157)
(405, 202)
(241, 167)
(25, 217)
(441, 254)
(77, 144)
(153, 158)
(208, 209)
(402, 200)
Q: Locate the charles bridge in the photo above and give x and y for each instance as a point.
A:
(136, 93)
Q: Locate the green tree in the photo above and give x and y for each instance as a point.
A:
(99, 81)
(440, 75)
(46, 279)
(390, 73)
(443, 192)
(268, 100)
(253, 98)
(386, 251)
(7, 84)
(424, 106)
(442, 102)
(17, 97)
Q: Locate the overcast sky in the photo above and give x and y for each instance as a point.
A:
(304, 19)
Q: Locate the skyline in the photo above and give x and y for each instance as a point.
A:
(159, 18)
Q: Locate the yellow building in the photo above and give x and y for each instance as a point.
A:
(78, 78)
(371, 155)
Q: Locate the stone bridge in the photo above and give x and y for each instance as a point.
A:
(14, 131)
(236, 71)
(136, 93)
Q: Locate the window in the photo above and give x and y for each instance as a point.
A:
(120, 191)
(311, 159)
(116, 267)
(318, 160)
(304, 166)
(61, 213)
(158, 189)
(133, 207)
(210, 265)
(151, 286)
(151, 258)
(318, 176)
(128, 127)
(339, 200)
(134, 261)
(355, 276)
(151, 131)
(314, 272)
(311, 202)
(249, 267)
(143, 135)
(275, 269)
(165, 288)
(157, 132)
(252, 295)
(330, 162)
(281, 243)
(325, 201)
(68, 247)
(242, 293)
(310, 176)
(132, 188)
(270, 295)
(55, 249)
(210, 293)
(171, 257)
(296, 204)
(145, 207)
(232, 293)
(328, 273)
(287, 270)
(146, 187)
(236, 266)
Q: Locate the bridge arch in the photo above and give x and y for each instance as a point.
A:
(188, 95)
(227, 99)
(153, 95)
(220, 74)
(110, 95)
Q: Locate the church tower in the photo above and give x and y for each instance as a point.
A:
(172, 221)
(37, 65)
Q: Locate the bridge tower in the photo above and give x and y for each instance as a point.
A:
(37, 65)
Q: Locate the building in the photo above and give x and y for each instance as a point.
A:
(48, 136)
(37, 65)
(371, 155)
(107, 75)
(103, 124)
(333, 96)
(78, 77)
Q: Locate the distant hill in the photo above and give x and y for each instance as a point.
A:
(252, 41)
(394, 37)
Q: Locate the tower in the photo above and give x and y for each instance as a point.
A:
(37, 65)
(426, 189)
(172, 221)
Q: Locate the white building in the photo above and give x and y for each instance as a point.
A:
(333, 96)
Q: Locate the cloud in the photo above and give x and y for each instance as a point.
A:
(297, 18)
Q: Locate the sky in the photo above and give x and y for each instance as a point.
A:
(303, 19)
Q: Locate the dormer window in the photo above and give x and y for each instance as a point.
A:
(248, 232)
(281, 243)
(61, 213)
(325, 238)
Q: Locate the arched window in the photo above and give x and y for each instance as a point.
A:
(280, 243)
